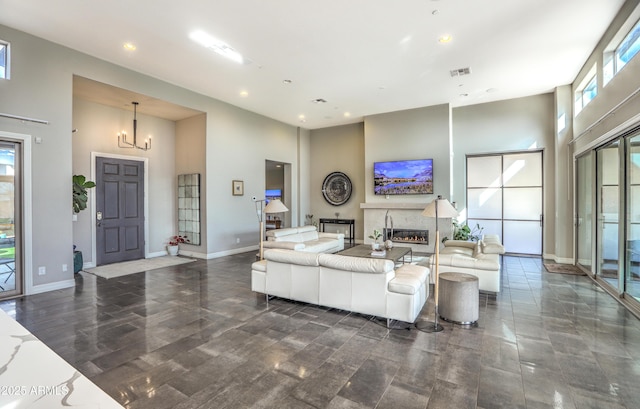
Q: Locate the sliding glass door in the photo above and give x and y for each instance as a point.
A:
(632, 265)
(584, 208)
(608, 184)
(615, 197)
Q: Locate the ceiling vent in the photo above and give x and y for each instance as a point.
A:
(460, 72)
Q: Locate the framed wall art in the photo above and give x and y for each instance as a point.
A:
(238, 187)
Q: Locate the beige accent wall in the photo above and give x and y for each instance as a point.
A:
(421, 133)
(338, 149)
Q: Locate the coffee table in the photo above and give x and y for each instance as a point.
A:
(396, 254)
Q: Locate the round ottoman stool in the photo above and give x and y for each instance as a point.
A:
(459, 298)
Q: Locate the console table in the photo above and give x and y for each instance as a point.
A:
(350, 222)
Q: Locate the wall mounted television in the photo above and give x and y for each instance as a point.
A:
(403, 177)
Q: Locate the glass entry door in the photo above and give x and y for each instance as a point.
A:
(505, 197)
(10, 265)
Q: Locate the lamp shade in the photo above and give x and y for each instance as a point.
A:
(444, 209)
(275, 206)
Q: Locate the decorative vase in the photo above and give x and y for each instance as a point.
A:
(388, 244)
(173, 250)
(375, 246)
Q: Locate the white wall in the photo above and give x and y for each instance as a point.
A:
(513, 125)
(597, 120)
(237, 144)
(191, 158)
(97, 127)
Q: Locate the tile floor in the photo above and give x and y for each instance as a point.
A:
(195, 336)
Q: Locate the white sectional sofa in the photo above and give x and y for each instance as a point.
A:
(304, 238)
(363, 285)
(481, 259)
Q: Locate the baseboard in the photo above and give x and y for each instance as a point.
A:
(157, 254)
(231, 252)
(564, 260)
(58, 285)
(559, 260)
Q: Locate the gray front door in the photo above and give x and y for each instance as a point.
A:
(119, 210)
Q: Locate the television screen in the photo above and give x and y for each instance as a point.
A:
(403, 177)
(273, 193)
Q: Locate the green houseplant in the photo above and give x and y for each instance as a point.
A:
(375, 236)
(80, 194)
(79, 197)
(462, 231)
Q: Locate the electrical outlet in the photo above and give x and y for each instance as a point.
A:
(64, 267)
(42, 271)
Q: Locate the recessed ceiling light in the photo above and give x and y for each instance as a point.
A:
(347, 114)
(435, 12)
(244, 94)
(464, 95)
(319, 101)
(287, 82)
(302, 118)
(445, 38)
(218, 46)
(492, 90)
(129, 46)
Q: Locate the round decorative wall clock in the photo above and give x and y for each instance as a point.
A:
(336, 188)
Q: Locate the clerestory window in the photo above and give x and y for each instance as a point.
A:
(587, 90)
(4, 60)
(620, 52)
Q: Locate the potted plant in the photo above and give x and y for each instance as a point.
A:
(464, 232)
(80, 194)
(375, 236)
(174, 244)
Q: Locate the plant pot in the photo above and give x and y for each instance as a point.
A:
(173, 250)
(375, 246)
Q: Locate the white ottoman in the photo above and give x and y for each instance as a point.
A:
(459, 298)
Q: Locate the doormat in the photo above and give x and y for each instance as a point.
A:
(136, 266)
(563, 269)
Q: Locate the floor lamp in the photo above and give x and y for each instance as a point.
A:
(439, 208)
(274, 206)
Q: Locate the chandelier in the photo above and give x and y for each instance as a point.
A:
(122, 137)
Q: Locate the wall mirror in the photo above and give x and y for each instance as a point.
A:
(189, 207)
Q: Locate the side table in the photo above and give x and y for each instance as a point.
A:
(459, 298)
(350, 222)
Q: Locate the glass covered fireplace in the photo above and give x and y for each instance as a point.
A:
(409, 236)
